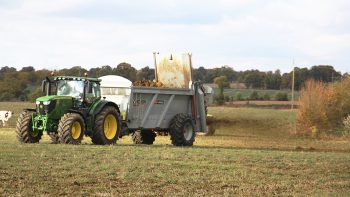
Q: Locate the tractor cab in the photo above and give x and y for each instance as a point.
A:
(82, 91)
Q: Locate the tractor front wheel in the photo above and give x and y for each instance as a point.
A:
(71, 128)
(107, 126)
(24, 129)
(182, 131)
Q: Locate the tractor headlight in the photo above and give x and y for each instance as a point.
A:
(37, 102)
(46, 102)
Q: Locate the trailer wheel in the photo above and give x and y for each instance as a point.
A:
(54, 137)
(182, 131)
(24, 129)
(107, 126)
(71, 128)
(143, 137)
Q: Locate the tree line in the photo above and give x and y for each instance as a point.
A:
(274, 80)
(24, 84)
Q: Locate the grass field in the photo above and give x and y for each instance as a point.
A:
(253, 153)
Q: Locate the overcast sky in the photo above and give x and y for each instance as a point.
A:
(243, 34)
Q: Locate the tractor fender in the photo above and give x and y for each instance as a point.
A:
(95, 109)
(84, 115)
(99, 106)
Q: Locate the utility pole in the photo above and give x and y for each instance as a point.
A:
(293, 81)
(155, 65)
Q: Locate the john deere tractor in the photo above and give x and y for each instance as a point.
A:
(71, 109)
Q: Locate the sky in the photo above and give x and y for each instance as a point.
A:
(243, 34)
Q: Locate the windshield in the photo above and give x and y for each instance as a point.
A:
(70, 88)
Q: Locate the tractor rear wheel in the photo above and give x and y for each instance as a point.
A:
(143, 137)
(71, 128)
(107, 126)
(182, 131)
(24, 129)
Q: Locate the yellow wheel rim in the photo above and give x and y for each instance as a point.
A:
(110, 126)
(76, 130)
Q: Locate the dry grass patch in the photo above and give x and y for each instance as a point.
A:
(323, 107)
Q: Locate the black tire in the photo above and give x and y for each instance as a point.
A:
(54, 137)
(182, 131)
(143, 137)
(24, 129)
(71, 128)
(103, 132)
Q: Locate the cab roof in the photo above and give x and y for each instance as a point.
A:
(75, 78)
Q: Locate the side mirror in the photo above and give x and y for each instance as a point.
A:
(46, 86)
(43, 86)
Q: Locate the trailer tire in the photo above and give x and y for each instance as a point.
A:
(182, 131)
(24, 129)
(143, 137)
(54, 137)
(71, 128)
(107, 126)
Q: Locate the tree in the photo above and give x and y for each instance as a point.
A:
(40, 75)
(254, 79)
(324, 73)
(145, 73)
(74, 71)
(273, 80)
(12, 86)
(286, 82)
(222, 83)
(125, 70)
(98, 72)
(200, 74)
(28, 69)
(5, 70)
(105, 70)
(301, 75)
(228, 72)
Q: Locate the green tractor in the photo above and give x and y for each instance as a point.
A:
(71, 109)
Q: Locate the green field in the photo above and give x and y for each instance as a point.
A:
(246, 93)
(254, 152)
